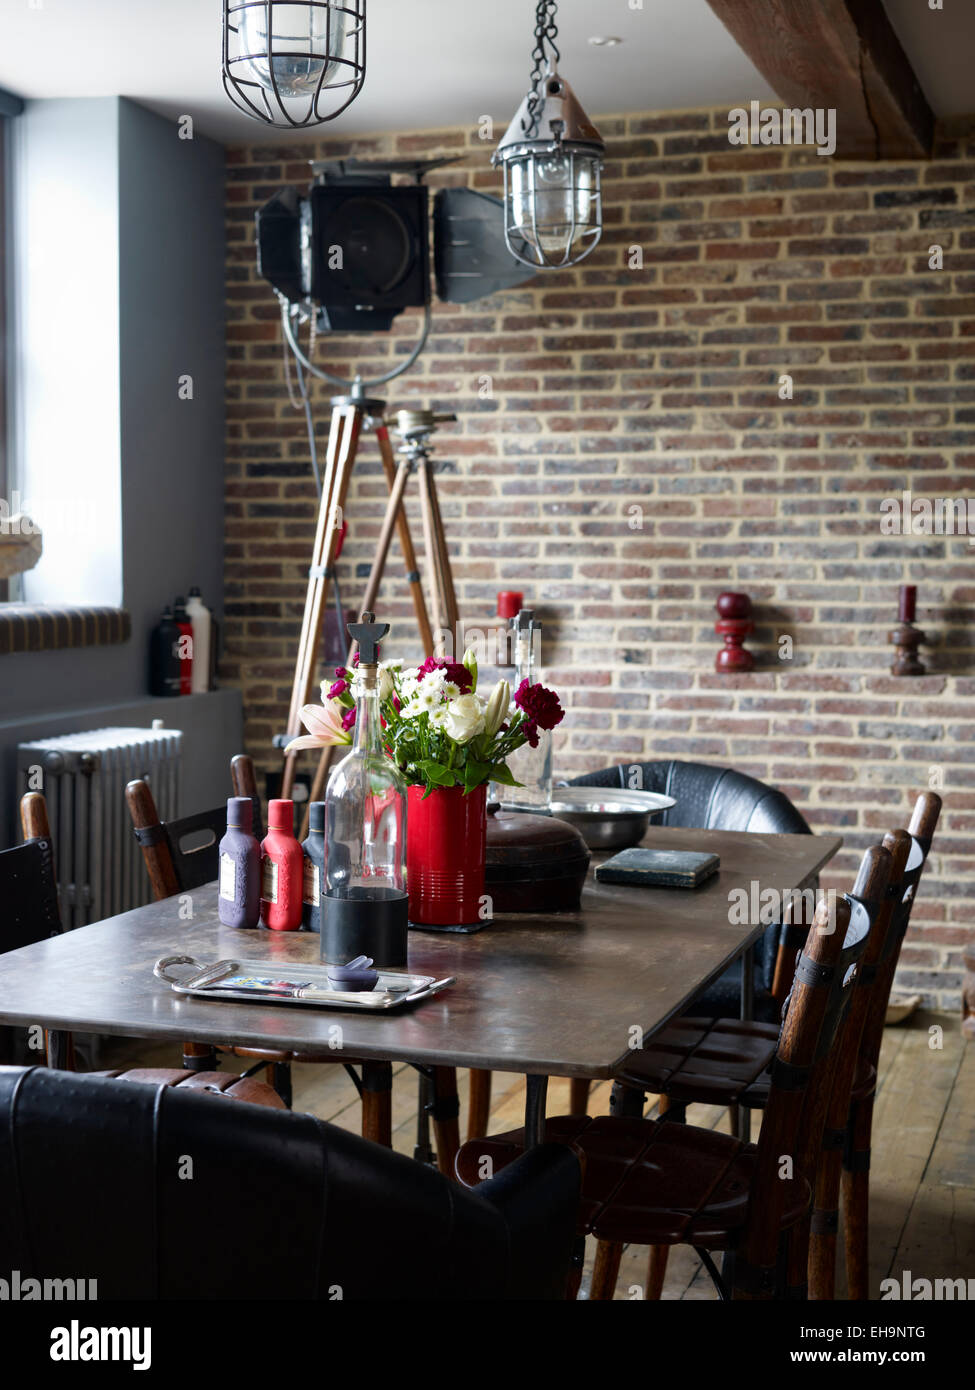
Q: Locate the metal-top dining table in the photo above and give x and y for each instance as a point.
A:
(547, 995)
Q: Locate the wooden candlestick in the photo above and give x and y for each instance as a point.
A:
(734, 625)
(907, 638)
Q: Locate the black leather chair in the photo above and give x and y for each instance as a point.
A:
(93, 1173)
(717, 798)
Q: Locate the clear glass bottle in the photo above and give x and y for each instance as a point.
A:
(365, 908)
(530, 766)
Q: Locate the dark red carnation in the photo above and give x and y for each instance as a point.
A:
(541, 707)
(456, 673)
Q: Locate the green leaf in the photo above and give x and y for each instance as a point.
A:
(436, 773)
(475, 773)
(502, 773)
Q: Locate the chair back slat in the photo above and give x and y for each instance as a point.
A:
(172, 866)
(920, 833)
(244, 780)
(29, 894)
(197, 863)
(804, 1065)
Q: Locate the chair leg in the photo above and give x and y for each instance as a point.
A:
(579, 1095)
(822, 1238)
(446, 1126)
(856, 1202)
(657, 1271)
(377, 1103)
(479, 1105)
(606, 1270)
(282, 1082)
(624, 1100)
(199, 1057)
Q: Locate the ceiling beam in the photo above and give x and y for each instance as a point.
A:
(842, 54)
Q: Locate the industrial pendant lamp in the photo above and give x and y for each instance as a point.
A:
(293, 64)
(552, 155)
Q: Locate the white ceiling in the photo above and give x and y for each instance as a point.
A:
(430, 62)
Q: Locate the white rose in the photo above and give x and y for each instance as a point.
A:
(465, 718)
(386, 686)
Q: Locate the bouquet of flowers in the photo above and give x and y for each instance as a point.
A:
(437, 728)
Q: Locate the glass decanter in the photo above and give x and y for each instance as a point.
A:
(365, 907)
(532, 767)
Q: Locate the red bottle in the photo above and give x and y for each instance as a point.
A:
(185, 646)
(281, 870)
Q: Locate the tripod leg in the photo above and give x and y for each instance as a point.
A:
(343, 439)
(406, 545)
(394, 509)
(438, 559)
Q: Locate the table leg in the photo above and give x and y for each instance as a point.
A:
(744, 1127)
(58, 1044)
(536, 1089)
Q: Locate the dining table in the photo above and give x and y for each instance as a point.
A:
(544, 994)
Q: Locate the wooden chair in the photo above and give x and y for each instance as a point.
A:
(856, 1153)
(725, 1062)
(654, 1182)
(28, 888)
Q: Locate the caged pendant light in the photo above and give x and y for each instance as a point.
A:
(552, 156)
(293, 64)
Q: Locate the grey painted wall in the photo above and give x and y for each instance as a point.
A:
(169, 473)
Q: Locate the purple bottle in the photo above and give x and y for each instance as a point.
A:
(239, 894)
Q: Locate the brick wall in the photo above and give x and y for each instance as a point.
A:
(631, 455)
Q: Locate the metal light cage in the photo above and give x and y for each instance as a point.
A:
(565, 220)
(330, 59)
(552, 219)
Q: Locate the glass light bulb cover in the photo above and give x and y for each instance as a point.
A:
(552, 204)
(304, 40)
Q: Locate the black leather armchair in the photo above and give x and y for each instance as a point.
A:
(158, 1194)
(717, 798)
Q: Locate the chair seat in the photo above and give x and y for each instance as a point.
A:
(216, 1082)
(719, 1061)
(649, 1182)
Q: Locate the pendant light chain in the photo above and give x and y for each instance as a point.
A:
(546, 32)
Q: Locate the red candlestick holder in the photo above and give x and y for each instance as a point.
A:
(734, 624)
(906, 637)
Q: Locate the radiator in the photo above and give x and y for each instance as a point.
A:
(99, 864)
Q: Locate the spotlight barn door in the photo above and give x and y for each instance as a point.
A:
(370, 253)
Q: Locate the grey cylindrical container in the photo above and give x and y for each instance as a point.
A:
(365, 922)
(313, 883)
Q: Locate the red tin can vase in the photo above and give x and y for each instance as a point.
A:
(446, 838)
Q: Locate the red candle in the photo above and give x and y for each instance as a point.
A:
(510, 603)
(908, 602)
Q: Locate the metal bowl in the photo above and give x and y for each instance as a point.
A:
(608, 817)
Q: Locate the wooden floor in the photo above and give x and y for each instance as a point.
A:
(923, 1173)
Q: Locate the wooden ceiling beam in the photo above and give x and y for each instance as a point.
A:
(842, 54)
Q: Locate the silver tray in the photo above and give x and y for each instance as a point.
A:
(304, 985)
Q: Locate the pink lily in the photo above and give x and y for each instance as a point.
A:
(324, 725)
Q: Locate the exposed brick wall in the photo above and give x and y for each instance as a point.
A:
(614, 387)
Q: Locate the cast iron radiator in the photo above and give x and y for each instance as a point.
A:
(83, 776)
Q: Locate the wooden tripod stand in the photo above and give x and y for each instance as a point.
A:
(349, 415)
